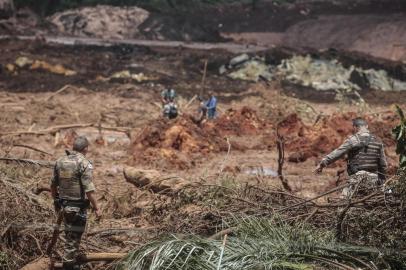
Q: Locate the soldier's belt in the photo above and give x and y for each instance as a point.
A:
(75, 203)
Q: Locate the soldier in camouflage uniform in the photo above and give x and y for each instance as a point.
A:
(366, 164)
(73, 191)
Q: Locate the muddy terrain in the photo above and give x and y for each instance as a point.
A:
(278, 115)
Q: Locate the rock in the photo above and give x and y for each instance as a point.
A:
(252, 70)
(238, 60)
(23, 61)
(222, 70)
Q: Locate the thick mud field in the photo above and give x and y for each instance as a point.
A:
(193, 173)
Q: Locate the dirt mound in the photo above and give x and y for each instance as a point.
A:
(180, 142)
(100, 21)
(240, 122)
(377, 35)
(174, 141)
(303, 141)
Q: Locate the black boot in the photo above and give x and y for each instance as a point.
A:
(70, 266)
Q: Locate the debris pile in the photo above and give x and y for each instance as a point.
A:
(317, 73)
(322, 74)
(246, 68)
(23, 226)
(356, 225)
(100, 21)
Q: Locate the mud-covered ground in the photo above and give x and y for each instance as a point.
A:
(123, 102)
(122, 118)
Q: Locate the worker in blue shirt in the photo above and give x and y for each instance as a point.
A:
(211, 105)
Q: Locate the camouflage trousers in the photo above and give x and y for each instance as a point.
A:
(75, 223)
(361, 183)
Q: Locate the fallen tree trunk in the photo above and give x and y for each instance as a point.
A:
(46, 264)
(55, 129)
(153, 180)
(95, 257)
(42, 163)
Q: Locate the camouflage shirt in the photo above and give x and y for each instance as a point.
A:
(70, 172)
(370, 158)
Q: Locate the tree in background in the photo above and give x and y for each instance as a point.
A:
(6, 9)
(400, 135)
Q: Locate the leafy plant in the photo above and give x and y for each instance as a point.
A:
(260, 243)
(400, 135)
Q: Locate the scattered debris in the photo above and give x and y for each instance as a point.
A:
(25, 62)
(245, 68)
(126, 74)
(57, 69)
(319, 74)
(322, 74)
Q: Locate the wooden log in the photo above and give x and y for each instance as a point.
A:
(55, 129)
(154, 180)
(44, 263)
(32, 148)
(96, 257)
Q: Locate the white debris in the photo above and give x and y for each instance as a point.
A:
(332, 75)
(252, 70)
(245, 68)
(318, 74)
(238, 60)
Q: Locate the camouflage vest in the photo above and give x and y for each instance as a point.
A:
(365, 155)
(69, 171)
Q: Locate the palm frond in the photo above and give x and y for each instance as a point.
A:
(259, 243)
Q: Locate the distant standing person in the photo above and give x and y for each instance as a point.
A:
(366, 162)
(211, 105)
(168, 95)
(73, 191)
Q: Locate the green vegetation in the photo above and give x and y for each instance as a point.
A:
(400, 135)
(261, 243)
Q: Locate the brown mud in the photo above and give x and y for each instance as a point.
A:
(122, 118)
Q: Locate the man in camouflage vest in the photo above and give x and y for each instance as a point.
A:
(366, 164)
(73, 191)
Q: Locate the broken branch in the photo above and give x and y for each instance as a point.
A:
(32, 148)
